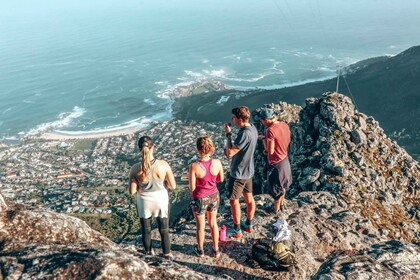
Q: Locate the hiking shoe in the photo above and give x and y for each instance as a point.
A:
(199, 252)
(236, 233)
(169, 257)
(151, 253)
(246, 227)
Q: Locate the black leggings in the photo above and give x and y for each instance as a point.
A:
(146, 228)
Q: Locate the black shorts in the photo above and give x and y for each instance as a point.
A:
(203, 204)
(279, 178)
(236, 187)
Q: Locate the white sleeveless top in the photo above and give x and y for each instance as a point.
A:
(153, 199)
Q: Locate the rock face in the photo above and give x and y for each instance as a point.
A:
(36, 244)
(337, 149)
(354, 187)
(388, 260)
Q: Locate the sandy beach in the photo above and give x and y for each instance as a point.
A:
(54, 135)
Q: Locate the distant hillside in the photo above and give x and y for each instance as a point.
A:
(387, 88)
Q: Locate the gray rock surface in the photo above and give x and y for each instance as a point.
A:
(37, 244)
(387, 260)
(3, 204)
(337, 149)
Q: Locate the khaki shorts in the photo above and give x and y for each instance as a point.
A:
(236, 187)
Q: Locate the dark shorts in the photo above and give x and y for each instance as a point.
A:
(279, 177)
(203, 204)
(236, 187)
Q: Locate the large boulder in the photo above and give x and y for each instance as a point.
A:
(386, 260)
(38, 244)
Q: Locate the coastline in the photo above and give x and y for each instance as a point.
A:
(55, 135)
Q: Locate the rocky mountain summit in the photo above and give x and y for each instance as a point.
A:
(344, 152)
(353, 212)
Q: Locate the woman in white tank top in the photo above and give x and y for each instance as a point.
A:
(148, 180)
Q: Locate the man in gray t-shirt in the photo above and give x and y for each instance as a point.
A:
(242, 168)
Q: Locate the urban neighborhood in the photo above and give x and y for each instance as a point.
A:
(91, 175)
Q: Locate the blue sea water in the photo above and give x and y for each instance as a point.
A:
(80, 66)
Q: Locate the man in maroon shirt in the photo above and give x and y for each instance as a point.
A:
(276, 143)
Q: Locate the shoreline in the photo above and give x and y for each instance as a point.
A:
(55, 135)
(202, 88)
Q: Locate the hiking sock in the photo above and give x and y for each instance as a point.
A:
(248, 222)
(237, 226)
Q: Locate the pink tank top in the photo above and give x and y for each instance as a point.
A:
(207, 185)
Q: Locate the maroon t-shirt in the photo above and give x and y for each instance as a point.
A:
(280, 134)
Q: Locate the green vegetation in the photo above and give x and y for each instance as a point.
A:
(390, 220)
(116, 226)
(84, 145)
(125, 225)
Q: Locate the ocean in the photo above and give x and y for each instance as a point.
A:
(101, 65)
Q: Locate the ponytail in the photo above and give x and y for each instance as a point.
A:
(145, 144)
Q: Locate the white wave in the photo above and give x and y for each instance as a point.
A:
(223, 99)
(205, 61)
(64, 119)
(161, 83)
(325, 69)
(227, 77)
(140, 123)
(28, 101)
(193, 77)
(215, 73)
(7, 110)
(194, 74)
(251, 79)
(275, 66)
(285, 85)
(149, 101)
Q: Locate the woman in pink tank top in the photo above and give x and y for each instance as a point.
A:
(203, 177)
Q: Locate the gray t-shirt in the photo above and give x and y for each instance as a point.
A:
(242, 165)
